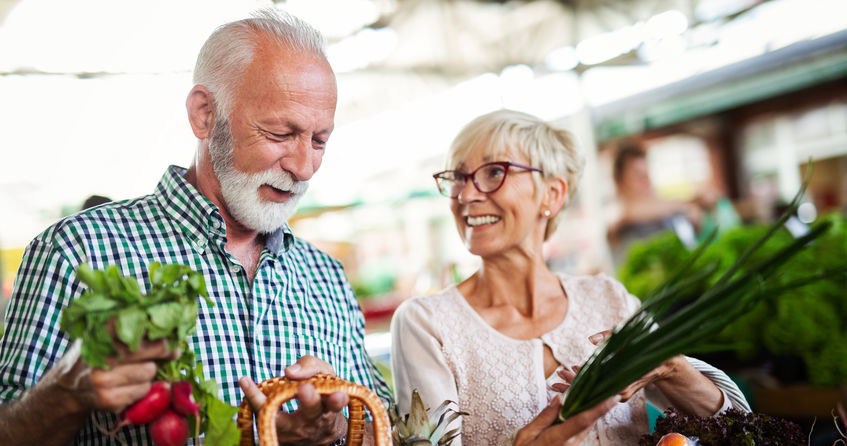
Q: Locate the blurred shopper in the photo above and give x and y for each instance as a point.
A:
(498, 342)
(262, 110)
(641, 212)
(95, 200)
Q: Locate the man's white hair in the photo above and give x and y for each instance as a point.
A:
(229, 50)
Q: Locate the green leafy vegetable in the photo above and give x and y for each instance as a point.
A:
(641, 343)
(730, 428)
(805, 323)
(168, 311)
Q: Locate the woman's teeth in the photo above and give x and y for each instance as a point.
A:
(483, 220)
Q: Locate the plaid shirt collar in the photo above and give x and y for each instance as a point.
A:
(200, 219)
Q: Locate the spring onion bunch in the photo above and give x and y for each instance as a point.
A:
(641, 343)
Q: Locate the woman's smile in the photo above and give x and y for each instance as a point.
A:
(481, 220)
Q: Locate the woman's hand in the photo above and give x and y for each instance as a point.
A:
(663, 372)
(541, 431)
(685, 388)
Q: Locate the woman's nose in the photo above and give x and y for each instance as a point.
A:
(469, 193)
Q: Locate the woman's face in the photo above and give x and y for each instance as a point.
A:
(506, 219)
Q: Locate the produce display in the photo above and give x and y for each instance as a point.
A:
(675, 439)
(181, 401)
(731, 428)
(653, 335)
(809, 323)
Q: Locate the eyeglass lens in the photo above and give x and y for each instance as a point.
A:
(486, 178)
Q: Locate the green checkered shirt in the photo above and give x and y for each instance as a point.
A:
(299, 303)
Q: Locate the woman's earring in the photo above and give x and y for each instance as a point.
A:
(547, 212)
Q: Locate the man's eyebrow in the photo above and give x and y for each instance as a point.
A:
(292, 126)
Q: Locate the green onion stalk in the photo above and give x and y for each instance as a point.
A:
(642, 343)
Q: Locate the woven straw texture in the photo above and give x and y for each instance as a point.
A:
(279, 390)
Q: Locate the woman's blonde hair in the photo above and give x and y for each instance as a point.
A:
(549, 148)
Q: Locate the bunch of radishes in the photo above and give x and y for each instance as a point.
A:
(114, 309)
(164, 408)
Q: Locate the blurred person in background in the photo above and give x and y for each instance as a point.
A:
(94, 200)
(500, 342)
(262, 109)
(641, 212)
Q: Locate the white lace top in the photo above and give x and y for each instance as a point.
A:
(443, 348)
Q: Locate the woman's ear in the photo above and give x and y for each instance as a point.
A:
(201, 111)
(555, 195)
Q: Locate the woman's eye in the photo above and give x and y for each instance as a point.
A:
(494, 172)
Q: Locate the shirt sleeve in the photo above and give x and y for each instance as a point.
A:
(418, 362)
(32, 342)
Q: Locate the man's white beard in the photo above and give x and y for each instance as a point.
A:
(241, 190)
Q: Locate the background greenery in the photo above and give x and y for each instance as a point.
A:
(808, 322)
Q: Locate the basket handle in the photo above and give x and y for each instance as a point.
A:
(279, 390)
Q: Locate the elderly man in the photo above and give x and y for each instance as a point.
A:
(262, 109)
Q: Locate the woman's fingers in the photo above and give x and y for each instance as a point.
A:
(542, 421)
(576, 427)
(597, 338)
(560, 387)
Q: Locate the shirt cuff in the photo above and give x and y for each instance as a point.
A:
(727, 403)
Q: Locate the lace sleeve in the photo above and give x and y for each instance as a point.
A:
(417, 359)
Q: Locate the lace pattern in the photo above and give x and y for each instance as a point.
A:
(500, 380)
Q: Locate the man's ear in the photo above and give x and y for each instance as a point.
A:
(555, 194)
(201, 111)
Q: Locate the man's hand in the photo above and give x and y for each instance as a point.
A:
(318, 419)
(127, 380)
(54, 410)
(541, 431)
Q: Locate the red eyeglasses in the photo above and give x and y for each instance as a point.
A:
(486, 178)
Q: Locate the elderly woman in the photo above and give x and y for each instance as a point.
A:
(497, 342)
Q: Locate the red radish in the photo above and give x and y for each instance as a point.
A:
(183, 399)
(170, 429)
(149, 407)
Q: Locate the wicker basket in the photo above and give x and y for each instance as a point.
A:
(279, 390)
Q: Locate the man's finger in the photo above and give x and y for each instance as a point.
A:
(310, 407)
(254, 395)
(336, 401)
(118, 398)
(147, 351)
(307, 367)
(124, 374)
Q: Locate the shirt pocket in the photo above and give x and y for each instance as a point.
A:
(332, 352)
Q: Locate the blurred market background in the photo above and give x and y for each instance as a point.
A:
(733, 97)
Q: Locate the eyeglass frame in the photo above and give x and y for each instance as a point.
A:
(472, 175)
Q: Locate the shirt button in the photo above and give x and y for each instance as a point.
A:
(235, 269)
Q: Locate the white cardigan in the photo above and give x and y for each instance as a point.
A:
(443, 348)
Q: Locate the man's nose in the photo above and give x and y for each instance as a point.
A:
(303, 160)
